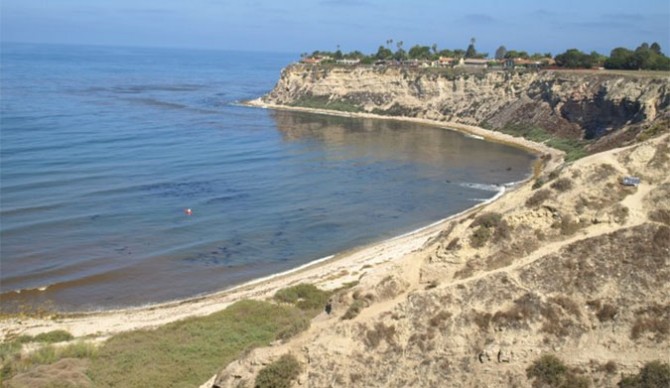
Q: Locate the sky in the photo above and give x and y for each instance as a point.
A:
(299, 26)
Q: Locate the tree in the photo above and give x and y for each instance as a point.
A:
(471, 52)
(513, 54)
(573, 59)
(400, 54)
(597, 59)
(645, 57)
(445, 53)
(620, 58)
(458, 53)
(419, 52)
(655, 47)
(500, 52)
(383, 53)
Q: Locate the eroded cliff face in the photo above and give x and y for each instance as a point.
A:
(571, 104)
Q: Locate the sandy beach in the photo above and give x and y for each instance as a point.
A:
(328, 273)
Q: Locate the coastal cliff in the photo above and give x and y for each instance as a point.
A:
(599, 106)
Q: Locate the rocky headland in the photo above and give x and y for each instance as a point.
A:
(605, 108)
(572, 264)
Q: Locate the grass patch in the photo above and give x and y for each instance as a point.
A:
(188, 352)
(306, 297)
(574, 148)
(53, 337)
(13, 363)
(323, 102)
(279, 374)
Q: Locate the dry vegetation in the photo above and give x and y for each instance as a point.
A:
(568, 262)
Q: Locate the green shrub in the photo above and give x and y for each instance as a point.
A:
(279, 374)
(550, 371)
(488, 220)
(653, 374)
(569, 226)
(454, 244)
(607, 313)
(610, 367)
(538, 198)
(562, 185)
(480, 237)
(356, 307)
(296, 327)
(381, 332)
(303, 296)
(503, 232)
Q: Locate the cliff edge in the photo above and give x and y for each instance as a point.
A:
(607, 109)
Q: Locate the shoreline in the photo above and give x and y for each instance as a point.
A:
(328, 272)
(473, 131)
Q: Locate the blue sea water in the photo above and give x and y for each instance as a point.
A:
(102, 149)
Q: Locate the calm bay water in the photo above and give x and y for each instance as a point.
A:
(102, 149)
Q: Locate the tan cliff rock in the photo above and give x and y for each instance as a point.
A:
(574, 104)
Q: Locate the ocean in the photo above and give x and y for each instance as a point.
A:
(103, 150)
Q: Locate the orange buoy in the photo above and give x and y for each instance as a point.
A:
(188, 212)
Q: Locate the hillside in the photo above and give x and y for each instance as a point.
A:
(578, 268)
(572, 264)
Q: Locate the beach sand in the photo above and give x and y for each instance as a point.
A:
(328, 273)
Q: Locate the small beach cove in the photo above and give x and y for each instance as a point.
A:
(328, 273)
(94, 199)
